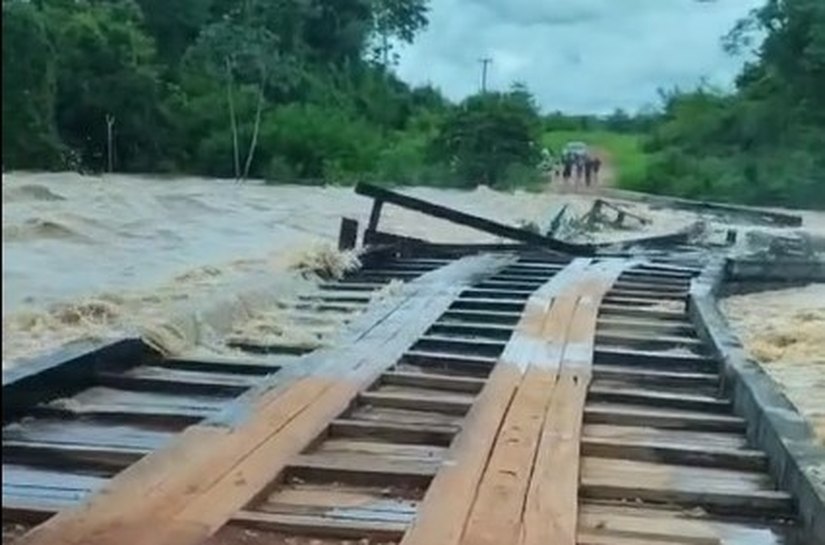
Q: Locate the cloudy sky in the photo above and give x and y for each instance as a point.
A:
(583, 56)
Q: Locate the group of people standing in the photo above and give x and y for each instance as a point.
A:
(584, 167)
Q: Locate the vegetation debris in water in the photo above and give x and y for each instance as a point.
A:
(326, 262)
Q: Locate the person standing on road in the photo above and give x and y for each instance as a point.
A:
(567, 167)
(597, 166)
(588, 170)
(579, 169)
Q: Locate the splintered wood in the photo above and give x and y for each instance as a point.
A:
(521, 438)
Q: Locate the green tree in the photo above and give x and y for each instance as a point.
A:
(175, 25)
(396, 20)
(489, 134)
(105, 67)
(243, 48)
(29, 136)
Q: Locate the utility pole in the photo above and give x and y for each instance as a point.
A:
(484, 63)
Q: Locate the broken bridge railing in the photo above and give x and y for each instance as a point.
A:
(381, 196)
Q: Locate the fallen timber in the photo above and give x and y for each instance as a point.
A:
(508, 393)
(750, 214)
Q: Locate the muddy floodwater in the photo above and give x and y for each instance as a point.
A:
(785, 331)
(88, 257)
(97, 257)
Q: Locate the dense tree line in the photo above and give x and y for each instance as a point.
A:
(765, 143)
(279, 89)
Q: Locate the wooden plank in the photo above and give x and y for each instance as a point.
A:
(184, 504)
(173, 382)
(70, 455)
(432, 358)
(638, 396)
(675, 453)
(496, 515)
(668, 360)
(393, 432)
(32, 490)
(462, 345)
(551, 507)
(645, 294)
(215, 364)
(458, 405)
(343, 501)
(403, 416)
(442, 212)
(642, 523)
(639, 325)
(63, 373)
(348, 234)
(653, 377)
(433, 381)
(711, 488)
(90, 433)
(720, 440)
(675, 419)
(400, 451)
(315, 526)
(597, 537)
(444, 512)
(361, 469)
(647, 313)
(485, 331)
(510, 318)
(506, 499)
(650, 341)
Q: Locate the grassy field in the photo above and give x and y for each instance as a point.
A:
(624, 150)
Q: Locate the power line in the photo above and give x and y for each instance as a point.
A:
(484, 63)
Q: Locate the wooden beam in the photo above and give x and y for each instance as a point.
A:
(496, 515)
(348, 235)
(381, 195)
(622, 415)
(434, 381)
(551, 506)
(319, 526)
(393, 432)
(675, 453)
(447, 505)
(447, 404)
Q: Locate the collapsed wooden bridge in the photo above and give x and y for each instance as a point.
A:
(532, 392)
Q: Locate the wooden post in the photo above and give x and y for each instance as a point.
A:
(375, 215)
(110, 123)
(348, 235)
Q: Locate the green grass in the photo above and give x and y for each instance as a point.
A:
(626, 155)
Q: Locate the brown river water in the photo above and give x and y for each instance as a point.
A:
(91, 257)
(184, 261)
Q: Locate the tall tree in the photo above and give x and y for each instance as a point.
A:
(397, 20)
(29, 136)
(243, 48)
(488, 134)
(105, 66)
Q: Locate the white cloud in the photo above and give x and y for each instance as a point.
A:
(585, 56)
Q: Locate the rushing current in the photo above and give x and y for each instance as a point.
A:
(88, 257)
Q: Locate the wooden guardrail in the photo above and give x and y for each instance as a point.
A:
(381, 196)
